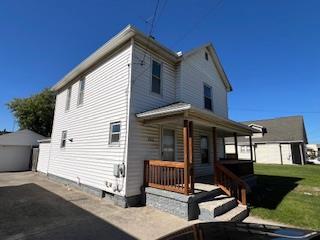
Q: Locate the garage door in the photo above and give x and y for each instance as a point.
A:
(268, 153)
(14, 158)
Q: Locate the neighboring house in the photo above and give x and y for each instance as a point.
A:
(135, 100)
(16, 149)
(279, 141)
(313, 150)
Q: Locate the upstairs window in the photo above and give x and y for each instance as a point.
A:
(207, 91)
(63, 139)
(206, 56)
(68, 98)
(204, 149)
(114, 133)
(156, 77)
(81, 91)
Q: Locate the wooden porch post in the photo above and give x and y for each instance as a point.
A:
(186, 155)
(215, 152)
(251, 152)
(236, 144)
(191, 156)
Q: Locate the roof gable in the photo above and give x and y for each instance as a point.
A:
(216, 64)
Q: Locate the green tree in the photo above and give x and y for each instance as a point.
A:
(35, 112)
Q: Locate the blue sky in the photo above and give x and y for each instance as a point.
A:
(269, 49)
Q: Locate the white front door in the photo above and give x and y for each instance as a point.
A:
(168, 145)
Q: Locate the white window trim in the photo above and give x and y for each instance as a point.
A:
(211, 96)
(65, 139)
(161, 77)
(68, 99)
(79, 91)
(111, 133)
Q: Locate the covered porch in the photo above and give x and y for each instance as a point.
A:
(179, 175)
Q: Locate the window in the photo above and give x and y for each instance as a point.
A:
(204, 149)
(245, 149)
(114, 132)
(207, 97)
(156, 77)
(206, 56)
(81, 91)
(63, 139)
(68, 98)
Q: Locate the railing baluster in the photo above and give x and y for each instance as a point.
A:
(232, 184)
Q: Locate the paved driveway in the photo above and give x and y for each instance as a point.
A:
(32, 207)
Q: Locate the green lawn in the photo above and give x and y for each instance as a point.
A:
(288, 194)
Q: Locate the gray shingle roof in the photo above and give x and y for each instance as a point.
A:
(281, 129)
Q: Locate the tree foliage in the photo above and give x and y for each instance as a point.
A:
(35, 112)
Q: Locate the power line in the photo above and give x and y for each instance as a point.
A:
(141, 62)
(198, 23)
(273, 111)
(151, 29)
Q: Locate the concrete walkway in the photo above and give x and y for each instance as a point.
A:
(32, 207)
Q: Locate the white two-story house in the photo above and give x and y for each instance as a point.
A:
(135, 113)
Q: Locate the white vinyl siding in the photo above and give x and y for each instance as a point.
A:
(193, 72)
(89, 158)
(144, 141)
(142, 97)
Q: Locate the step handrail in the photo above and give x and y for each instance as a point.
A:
(230, 183)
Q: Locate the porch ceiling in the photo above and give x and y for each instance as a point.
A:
(177, 112)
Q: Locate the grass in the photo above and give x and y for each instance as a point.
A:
(288, 194)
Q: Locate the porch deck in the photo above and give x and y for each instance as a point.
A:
(171, 176)
(179, 176)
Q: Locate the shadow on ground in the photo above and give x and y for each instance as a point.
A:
(270, 190)
(30, 212)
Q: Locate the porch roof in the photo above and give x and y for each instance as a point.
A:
(179, 111)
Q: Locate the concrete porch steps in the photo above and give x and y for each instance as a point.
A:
(215, 207)
(222, 208)
(208, 203)
(236, 214)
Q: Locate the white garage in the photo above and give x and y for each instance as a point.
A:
(16, 148)
(278, 141)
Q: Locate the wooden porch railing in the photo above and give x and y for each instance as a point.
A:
(166, 175)
(240, 168)
(230, 183)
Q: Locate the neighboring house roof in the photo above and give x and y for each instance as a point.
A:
(20, 138)
(193, 113)
(123, 37)
(283, 129)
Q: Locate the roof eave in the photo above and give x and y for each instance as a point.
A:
(121, 38)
